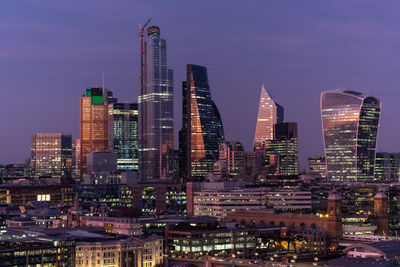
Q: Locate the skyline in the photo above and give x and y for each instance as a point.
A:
(293, 62)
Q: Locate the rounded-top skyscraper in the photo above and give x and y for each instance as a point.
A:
(350, 125)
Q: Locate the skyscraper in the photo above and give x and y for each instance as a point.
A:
(51, 154)
(155, 98)
(282, 151)
(350, 125)
(123, 120)
(202, 130)
(269, 113)
(94, 123)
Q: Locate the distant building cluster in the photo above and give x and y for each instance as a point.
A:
(121, 195)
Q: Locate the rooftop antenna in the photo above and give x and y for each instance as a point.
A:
(103, 80)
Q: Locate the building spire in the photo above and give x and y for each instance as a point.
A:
(380, 193)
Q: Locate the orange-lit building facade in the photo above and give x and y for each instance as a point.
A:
(202, 130)
(94, 123)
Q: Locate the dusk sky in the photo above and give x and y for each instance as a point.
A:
(50, 51)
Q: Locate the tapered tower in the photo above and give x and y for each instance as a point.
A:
(334, 220)
(202, 130)
(269, 113)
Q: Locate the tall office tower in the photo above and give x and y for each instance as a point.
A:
(183, 155)
(94, 123)
(51, 154)
(282, 156)
(156, 118)
(269, 113)
(387, 167)
(76, 158)
(123, 141)
(350, 125)
(231, 158)
(317, 166)
(202, 130)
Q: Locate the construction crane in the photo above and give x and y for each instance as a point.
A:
(141, 35)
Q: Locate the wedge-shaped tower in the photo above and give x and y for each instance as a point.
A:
(202, 130)
(269, 113)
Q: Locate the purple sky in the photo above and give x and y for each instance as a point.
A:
(50, 51)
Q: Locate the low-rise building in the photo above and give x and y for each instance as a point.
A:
(141, 252)
(331, 222)
(290, 200)
(207, 237)
(158, 197)
(21, 222)
(29, 249)
(358, 224)
(20, 195)
(383, 253)
(78, 247)
(115, 225)
(219, 203)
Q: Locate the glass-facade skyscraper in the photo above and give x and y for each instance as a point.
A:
(123, 141)
(350, 125)
(51, 154)
(202, 130)
(282, 153)
(155, 103)
(269, 113)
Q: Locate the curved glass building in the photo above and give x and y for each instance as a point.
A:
(202, 130)
(350, 123)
